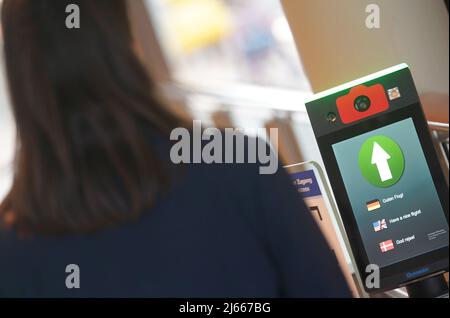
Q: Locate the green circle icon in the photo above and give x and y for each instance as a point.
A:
(381, 161)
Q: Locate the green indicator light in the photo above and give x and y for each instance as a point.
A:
(357, 82)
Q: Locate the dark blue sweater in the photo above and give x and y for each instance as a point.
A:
(222, 231)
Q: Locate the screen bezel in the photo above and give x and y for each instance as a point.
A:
(391, 275)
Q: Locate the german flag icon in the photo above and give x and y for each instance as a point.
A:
(373, 205)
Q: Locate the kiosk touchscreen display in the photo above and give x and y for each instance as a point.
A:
(397, 210)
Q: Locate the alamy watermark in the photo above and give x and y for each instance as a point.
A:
(73, 279)
(73, 20)
(373, 20)
(230, 146)
(373, 276)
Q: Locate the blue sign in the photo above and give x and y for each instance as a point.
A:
(306, 183)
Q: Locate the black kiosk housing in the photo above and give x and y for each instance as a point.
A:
(351, 112)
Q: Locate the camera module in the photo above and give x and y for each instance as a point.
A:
(331, 118)
(362, 103)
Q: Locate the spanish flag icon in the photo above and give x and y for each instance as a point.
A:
(373, 205)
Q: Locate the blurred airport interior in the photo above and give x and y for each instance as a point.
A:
(232, 57)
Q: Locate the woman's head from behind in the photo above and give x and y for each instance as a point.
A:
(81, 101)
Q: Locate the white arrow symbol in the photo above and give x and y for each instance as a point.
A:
(380, 158)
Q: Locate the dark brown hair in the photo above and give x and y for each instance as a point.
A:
(84, 109)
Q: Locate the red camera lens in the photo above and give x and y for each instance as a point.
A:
(362, 102)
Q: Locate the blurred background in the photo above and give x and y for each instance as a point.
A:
(247, 41)
(6, 133)
(226, 62)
